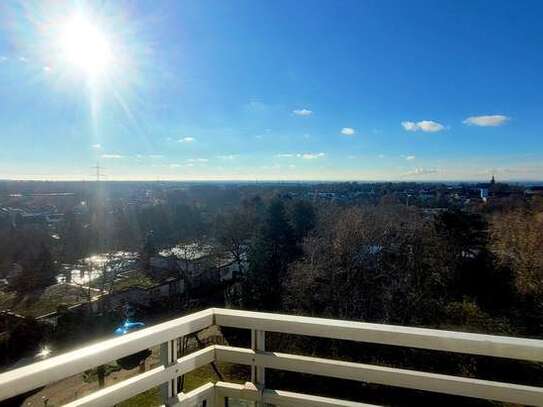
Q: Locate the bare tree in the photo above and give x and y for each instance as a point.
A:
(516, 240)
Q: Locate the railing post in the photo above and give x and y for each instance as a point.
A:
(168, 357)
(258, 373)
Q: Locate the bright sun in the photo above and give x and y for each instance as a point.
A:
(83, 45)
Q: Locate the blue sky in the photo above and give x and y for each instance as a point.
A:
(346, 90)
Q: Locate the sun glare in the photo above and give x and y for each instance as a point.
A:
(85, 46)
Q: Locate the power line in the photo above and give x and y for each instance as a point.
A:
(99, 173)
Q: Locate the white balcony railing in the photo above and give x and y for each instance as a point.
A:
(39, 374)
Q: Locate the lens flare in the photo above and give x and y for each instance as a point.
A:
(85, 46)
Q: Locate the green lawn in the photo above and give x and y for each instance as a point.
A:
(205, 374)
(137, 279)
(149, 398)
(43, 302)
(196, 378)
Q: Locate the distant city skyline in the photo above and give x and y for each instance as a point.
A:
(282, 90)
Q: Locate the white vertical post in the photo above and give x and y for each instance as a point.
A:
(168, 357)
(258, 373)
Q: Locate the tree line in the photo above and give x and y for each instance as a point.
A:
(477, 271)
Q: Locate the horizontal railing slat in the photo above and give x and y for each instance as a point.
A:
(195, 397)
(246, 392)
(459, 386)
(290, 399)
(38, 374)
(128, 388)
(279, 397)
(432, 339)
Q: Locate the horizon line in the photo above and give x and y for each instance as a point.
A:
(477, 180)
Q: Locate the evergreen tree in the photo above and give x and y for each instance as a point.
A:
(303, 219)
(273, 248)
(37, 273)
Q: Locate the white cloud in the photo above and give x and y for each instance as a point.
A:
(410, 157)
(303, 156)
(111, 156)
(3, 58)
(47, 69)
(227, 157)
(410, 126)
(348, 131)
(430, 126)
(175, 166)
(302, 112)
(151, 156)
(310, 156)
(486, 121)
(96, 146)
(186, 140)
(427, 126)
(421, 171)
(197, 160)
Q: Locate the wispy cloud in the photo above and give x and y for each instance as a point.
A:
(422, 171)
(182, 165)
(303, 156)
(427, 126)
(227, 157)
(410, 157)
(494, 120)
(97, 146)
(111, 156)
(186, 140)
(348, 131)
(302, 112)
(256, 106)
(197, 160)
(47, 69)
(311, 156)
(151, 156)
